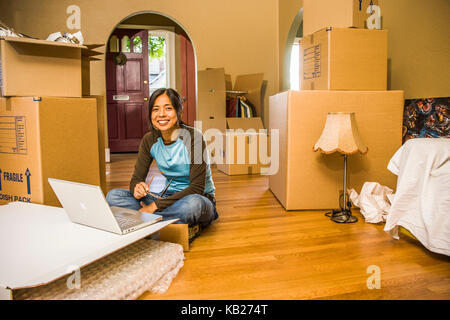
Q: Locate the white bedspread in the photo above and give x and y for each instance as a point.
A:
(422, 199)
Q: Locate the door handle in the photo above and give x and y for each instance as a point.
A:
(145, 82)
(145, 99)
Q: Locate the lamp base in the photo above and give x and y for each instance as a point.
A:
(342, 216)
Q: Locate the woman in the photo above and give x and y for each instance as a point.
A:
(178, 151)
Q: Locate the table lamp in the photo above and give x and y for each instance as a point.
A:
(341, 134)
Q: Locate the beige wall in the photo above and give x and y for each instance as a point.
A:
(253, 38)
(418, 46)
(241, 36)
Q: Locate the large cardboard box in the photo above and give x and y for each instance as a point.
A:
(46, 137)
(102, 138)
(31, 67)
(211, 109)
(318, 14)
(242, 143)
(312, 180)
(87, 56)
(344, 59)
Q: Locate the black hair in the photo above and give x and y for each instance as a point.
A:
(175, 99)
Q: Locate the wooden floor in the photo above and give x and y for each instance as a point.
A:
(256, 250)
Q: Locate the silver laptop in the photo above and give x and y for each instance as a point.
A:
(85, 204)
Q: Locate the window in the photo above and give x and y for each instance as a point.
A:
(295, 65)
(126, 45)
(137, 45)
(114, 44)
(161, 63)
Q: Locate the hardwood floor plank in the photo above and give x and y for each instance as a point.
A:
(257, 250)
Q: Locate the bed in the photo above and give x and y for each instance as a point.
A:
(421, 205)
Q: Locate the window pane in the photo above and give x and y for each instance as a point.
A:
(137, 45)
(114, 44)
(157, 62)
(126, 44)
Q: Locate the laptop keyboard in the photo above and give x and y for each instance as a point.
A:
(126, 223)
(126, 219)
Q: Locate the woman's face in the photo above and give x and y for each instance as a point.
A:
(164, 115)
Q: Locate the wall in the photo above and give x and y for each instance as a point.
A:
(228, 34)
(224, 33)
(418, 47)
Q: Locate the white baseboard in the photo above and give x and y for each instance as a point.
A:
(107, 155)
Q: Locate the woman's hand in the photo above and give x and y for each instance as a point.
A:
(140, 190)
(149, 209)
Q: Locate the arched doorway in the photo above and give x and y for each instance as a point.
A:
(145, 51)
(291, 59)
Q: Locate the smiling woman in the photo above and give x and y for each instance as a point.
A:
(189, 194)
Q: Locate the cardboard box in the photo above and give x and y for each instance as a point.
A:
(318, 14)
(46, 137)
(102, 140)
(312, 180)
(176, 233)
(31, 67)
(242, 143)
(213, 84)
(344, 59)
(255, 86)
(217, 83)
(87, 56)
(211, 101)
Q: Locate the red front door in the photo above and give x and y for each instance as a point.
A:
(127, 90)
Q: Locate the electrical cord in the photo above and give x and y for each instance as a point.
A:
(340, 212)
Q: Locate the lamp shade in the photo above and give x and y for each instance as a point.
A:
(340, 134)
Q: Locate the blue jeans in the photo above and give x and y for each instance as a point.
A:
(192, 209)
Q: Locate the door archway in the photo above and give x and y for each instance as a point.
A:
(295, 31)
(145, 51)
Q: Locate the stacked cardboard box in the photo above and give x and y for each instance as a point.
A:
(342, 70)
(47, 128)
(234, 138)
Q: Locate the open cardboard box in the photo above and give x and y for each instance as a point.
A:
(242, 143)
(254, 88)
(47, 137)
(344, 59)
(311, 180)
(213, 86)
(87, 55)
(319, 14)
(30, 67)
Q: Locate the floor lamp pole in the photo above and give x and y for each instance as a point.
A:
(345, 214)
(345, 184)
